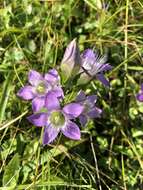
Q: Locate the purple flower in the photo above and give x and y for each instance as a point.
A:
(90, 110)
(94, 65)
(39, 86)
(70, 64)
(139, 96)
(57, 120)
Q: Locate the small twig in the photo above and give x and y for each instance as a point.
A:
(13, 121)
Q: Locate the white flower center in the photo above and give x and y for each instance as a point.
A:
(41, 88)
(57, 119)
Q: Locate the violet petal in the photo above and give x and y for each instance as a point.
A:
(139, 97)
(106, 67)
(39, 119)
(88, 53)
(26, 92)
(58, 92)
(94, 113)
(50, 133)
(38, 103)
(103, 79)
(92, 99)
(73, 110)
(52, 76)
(71, 130)
(81, 96)
(52, 102)
(34, 77)
(83, 119)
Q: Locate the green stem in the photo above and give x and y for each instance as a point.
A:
(5, 95)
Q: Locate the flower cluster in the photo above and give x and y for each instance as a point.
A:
(47, 95)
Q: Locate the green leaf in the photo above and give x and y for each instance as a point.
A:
(29, 152)
(31, 149)
(11, 172)
(8, 147)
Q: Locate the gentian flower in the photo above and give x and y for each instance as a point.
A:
(57, 119)
(90, 110)
(139, 96)
(70, 63)
(93, 66)
(39, 86)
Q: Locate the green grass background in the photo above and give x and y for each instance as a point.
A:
(34, 35)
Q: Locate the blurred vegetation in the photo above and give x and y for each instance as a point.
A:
(34, 35)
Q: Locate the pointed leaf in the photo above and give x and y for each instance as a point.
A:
(11, 172)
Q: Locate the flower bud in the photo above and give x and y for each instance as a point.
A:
(70, 64)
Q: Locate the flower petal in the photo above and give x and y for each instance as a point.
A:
(50, 133)
(139, 97)
(39, 119)
(88, 53)
(52, 76)
(106, 67)
(52, 102)
(81, 96)
(101, 59)
(38, 103)
(103, 79)
(26, 92)
(73, 110)
(58, 92)
(83, 119)
(71, 130)
(94, 113)
(34, 77)
(53, 72)
(92, 99)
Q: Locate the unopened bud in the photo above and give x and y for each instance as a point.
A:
(70, 64)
